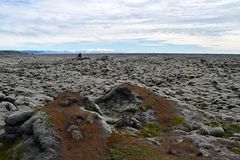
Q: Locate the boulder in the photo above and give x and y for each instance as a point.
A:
(90, 105)
(8, 106)
(217, 131)
(45, 135)
(115, 92)
(9, 99)
(126, 121)
(27, 126)
(205, 130)
(10, 137)
(95, 116)
(11, 129)
(2, 96)
(18, 117)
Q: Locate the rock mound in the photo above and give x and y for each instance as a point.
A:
(127, 122)
(37, 136)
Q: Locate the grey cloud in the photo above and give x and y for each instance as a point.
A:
(118, 20)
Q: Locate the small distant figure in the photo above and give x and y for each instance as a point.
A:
(79, 56)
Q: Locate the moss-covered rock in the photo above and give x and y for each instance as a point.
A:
(235, 150)
(229, 127)
(12, 150)
(151, 130)
(177, 120)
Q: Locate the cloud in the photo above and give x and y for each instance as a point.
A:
(99, 50)
(211, 24)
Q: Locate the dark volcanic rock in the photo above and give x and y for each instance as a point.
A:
(18, 117)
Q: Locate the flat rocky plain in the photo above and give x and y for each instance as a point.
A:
(206, 87)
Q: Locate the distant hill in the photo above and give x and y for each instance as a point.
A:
(11, 52)
(45, 52)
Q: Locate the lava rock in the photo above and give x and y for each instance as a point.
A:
(11, 129)
(27, 126)
(91, 106)
(68, 102)
(10, 137)
(19, 117)
(9, 106)
(45, 135)
(77, 135)
(217, 131)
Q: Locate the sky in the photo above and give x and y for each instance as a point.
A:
(142, 26)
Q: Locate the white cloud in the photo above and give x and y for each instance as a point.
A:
(212, 24)
(99, 50)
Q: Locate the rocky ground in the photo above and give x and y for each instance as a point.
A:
(193, 111)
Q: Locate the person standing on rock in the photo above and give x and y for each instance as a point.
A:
(79, 55)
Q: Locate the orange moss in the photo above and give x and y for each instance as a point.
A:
(93, 145)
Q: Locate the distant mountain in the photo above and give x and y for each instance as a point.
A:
(10, 52)
(89, 51)
(29, 52)
(46, 52)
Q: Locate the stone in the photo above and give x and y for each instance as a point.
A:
(126, 121)
(72, 127)
(45, 135)
(68, 102)
(155, 140)
(27, 126)
(148, 116)
(91, 106)
(95, 116)
(77, 135)
(202, 152)
(18, 117)
(205, 130)
(8, 106)
(132, 109)
(217, 131)
(10, 137)
(11, 129)
(2, 132)
(9, 99)
(115, 91)
(2, 96)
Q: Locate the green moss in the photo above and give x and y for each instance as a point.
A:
(215, 123)
(115, 154)
(152, 130)
(19, 151)
(229, 127)
(49, 120)
(177, 120)
(235, 150)
(11, 150)
(133, 153)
